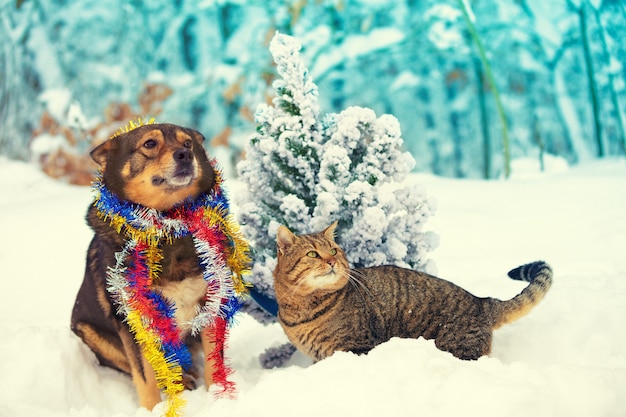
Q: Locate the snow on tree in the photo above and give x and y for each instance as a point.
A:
(306, 169)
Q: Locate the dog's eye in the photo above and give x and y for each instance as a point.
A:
(150, 143)
(187, 144)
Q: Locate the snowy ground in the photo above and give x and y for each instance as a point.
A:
(567, 358)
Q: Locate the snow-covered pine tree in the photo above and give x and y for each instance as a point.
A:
(306, 169)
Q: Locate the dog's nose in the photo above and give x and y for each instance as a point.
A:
(183, 155)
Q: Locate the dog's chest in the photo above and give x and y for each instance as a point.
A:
(186, 295)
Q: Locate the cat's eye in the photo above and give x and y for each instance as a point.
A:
(312, 254)
(333, 251)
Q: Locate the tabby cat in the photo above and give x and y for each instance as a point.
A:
(324, 306)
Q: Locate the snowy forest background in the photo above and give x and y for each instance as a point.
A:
(462, 78)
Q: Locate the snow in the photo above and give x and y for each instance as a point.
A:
(444, 32)
(566, 358)
(353, 47)
(56, 101)
(547, 26)
(357, 45)
(406, 79)
(573, 121)
(46, 143)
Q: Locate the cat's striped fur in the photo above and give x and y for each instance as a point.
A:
(326, 307)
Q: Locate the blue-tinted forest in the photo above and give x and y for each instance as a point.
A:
(472, 83)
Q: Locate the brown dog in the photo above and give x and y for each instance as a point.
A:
(157, 166)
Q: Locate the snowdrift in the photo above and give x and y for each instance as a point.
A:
(566, 358)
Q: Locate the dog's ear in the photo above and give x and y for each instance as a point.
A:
(101, 152)
(197, 136)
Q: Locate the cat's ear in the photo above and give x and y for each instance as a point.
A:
(284, 238)
(329, 232)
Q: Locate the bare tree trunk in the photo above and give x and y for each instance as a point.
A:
(593, 88)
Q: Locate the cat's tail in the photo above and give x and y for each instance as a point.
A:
(539, 275)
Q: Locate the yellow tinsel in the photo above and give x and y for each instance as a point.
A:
(153, 255)
(152, 236)
(169, 376)
(132, 125)
(238, 259)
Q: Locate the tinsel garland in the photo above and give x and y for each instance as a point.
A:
(223, 255)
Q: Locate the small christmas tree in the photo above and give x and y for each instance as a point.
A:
(305, 169)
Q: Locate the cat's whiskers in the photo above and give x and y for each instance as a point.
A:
(356, 287)
(354, 276)
(356, 283)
